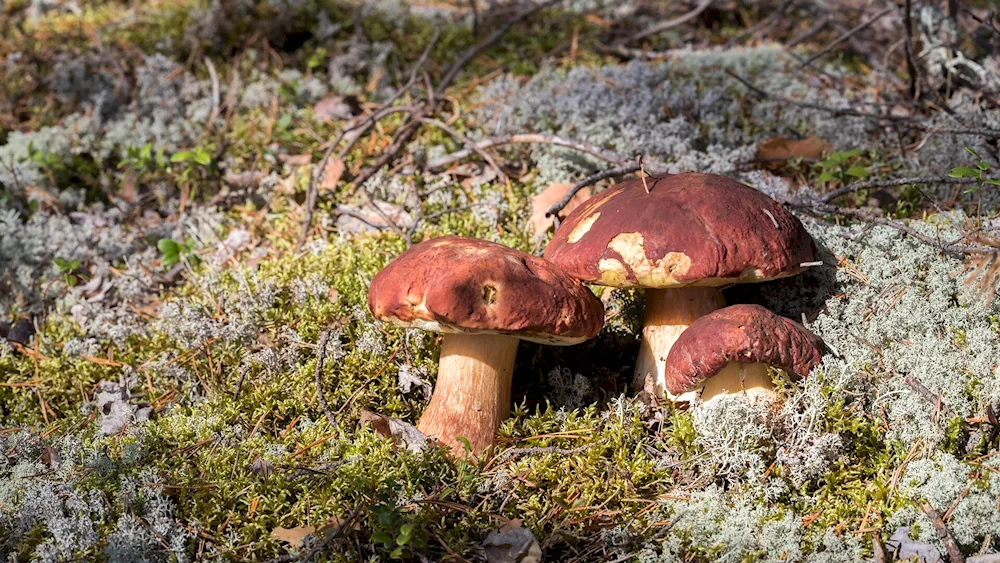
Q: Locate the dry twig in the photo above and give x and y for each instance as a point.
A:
(663, 26)
(320, 356)
(954, 553)
(589, 181)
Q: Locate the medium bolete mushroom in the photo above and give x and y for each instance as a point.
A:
(482, 297)
(682, 237)
(728, 351)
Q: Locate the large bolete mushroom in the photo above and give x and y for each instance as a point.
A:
(682, 237)
(728, 351)
(482, 297)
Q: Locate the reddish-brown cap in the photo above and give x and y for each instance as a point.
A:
(746, 334)
(458, 284)
(689, 229)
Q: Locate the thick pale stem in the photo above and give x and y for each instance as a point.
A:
(472, 394)
(668, 313)
(752, 379)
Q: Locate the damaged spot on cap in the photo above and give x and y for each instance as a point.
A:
(582, 228)
(489, 294)
(641, 270)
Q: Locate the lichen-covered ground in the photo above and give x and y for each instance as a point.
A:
(160, 321)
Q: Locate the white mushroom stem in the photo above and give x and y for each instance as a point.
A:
(752, 379)
(472, 394)
(668, 313)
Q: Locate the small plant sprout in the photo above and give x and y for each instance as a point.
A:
(482, 297)
(68, 271)
(843, 167)
(174, 251)
(681, 240)
(978, 171)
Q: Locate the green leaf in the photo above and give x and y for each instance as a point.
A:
(826, 176)
(396, 553)
(963, 172)
(167, 246)
(202, 157)
(857, 171)
(61, 264)
(993, 181)
(973, 153)
(284, 121)
(830, 163)
(443, 495)
(146, 151)
(983, 165)
(181, 156)
(406, 529)
(382, 537)
(465, 443)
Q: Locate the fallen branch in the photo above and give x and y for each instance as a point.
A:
(320, 356)
(821, 207)
(468, 143)
(954, 553)
(538, 450)
(868, 184)
(663, 26)
(530, 138)
(847, 34)
(589, 181)
(932, 397)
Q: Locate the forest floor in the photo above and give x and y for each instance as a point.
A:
(193, 192)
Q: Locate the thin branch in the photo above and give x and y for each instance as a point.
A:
(312, 193)
(530, 138)
(320, 356)
(834, 111)
(932, 397)
(468, 143)
(805, 35)
(539, 450)
(820, 207)
(911, 67)
(868, 184)
(471, 52)
(663, 26)
(847, 34)
(216, 99)
(475, 18)
(954, 553)
(589, 181)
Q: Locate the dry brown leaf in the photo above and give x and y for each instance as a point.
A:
(295, 159)
(774, 151)
(548, 197)
(336, 107)
(292, 536)
(332, 174)
(402, 434)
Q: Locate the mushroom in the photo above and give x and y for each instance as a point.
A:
(682, 238)
(728, 351)
(482, 297)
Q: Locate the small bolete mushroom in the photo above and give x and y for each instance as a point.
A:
(682, 237)
(482, 297)
(728, 351)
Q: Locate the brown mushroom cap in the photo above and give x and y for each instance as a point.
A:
(690, 229)
(746, 334)
(463, 285)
